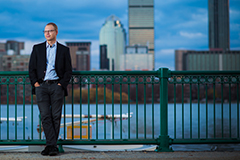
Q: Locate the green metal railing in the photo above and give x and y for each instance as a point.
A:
(160, 107)
(215, 110)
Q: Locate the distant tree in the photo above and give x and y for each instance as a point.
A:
(100, 95)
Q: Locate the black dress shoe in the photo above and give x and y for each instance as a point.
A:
(46, 150)
(53, 151)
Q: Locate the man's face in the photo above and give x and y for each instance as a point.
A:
(50, 33)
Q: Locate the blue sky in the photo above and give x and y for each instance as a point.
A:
(179, 24)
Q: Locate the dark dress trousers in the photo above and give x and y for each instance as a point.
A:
(50, 96)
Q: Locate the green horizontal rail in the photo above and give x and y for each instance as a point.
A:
(120, 142)
(133, 72)
(204, 73)
(205, 141)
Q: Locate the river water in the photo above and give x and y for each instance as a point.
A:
(184, 129)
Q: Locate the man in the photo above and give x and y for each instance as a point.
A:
(50, 70)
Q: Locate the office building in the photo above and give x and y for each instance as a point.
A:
(104, 61)
(15, 46)
(2, 47)
(136, 58)
(80, 55)
(14, 62)
(218, 23)
(141, 24)
(113, 35)
(212, 60)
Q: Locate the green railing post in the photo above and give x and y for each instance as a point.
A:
(163, 140)
(60, 147)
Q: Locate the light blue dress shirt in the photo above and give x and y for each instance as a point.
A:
(51, 57)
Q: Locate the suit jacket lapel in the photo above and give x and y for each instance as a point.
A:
(57, 55)
(44, 52)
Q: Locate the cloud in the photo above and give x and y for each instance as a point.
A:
(78, 19)
(166, 52)
(200, 14)
(75, 4)
(164, 65)
(177, 41)
(167, 3)
(164, 58)
(191, 35)
(236, 48)
(234, 13)
(159, 15)
(196, 20)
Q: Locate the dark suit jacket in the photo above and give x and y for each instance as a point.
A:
(37, 65)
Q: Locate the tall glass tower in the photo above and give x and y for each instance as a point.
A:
(141, 24)
(113, 35)
(218, 23)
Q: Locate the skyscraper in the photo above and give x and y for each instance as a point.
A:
(218, 19)
(141, 24)
(113, 35)
(104, 61)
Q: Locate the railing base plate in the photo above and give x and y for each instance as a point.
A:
(163, 149)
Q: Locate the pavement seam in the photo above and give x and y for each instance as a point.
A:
(107, 156)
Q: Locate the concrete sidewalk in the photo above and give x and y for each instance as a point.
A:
(117, 155)
(115, 152)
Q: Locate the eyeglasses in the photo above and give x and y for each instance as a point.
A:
(48, 31)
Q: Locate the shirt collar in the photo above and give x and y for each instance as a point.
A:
(48, 45)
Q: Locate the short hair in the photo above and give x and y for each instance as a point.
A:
(54, 25)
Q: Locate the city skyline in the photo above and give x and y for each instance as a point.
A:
(178, 24)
